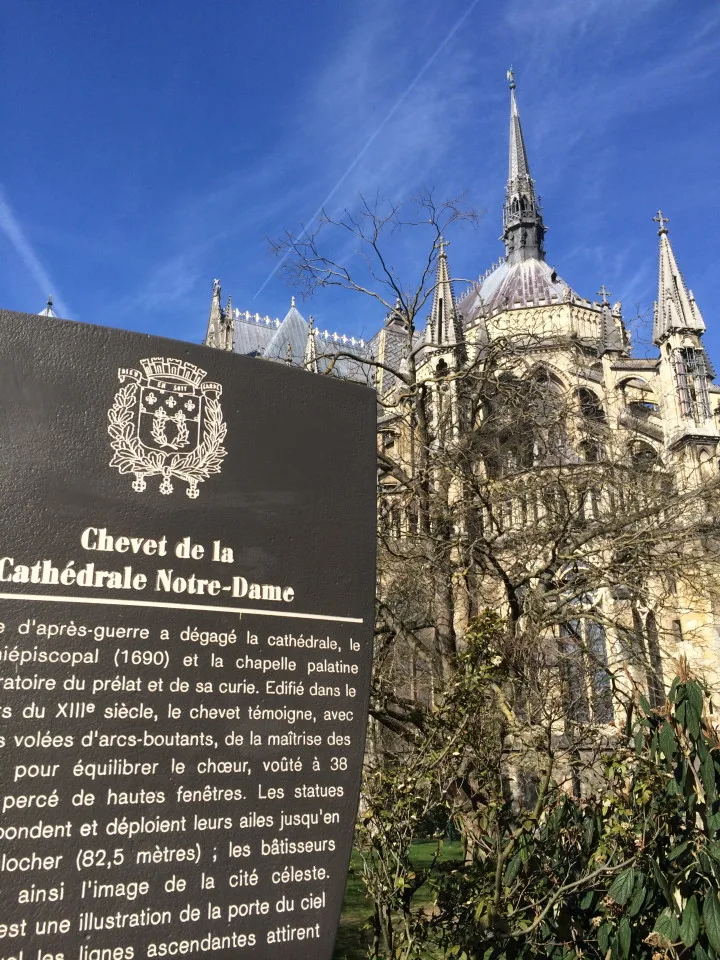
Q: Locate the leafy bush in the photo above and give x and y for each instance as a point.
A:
(629, 871)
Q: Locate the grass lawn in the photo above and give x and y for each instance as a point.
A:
(351, 943)
(352, 940)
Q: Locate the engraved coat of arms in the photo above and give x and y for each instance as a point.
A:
(166, 421)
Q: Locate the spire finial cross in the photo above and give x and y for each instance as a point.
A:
(605, 294)
(292, 301)
(442, 243)
(662, 221)
(511, 78)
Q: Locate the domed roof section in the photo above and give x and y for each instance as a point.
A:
(527, 283)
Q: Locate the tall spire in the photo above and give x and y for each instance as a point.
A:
(523, 228)
(675, 308)
(518, 165)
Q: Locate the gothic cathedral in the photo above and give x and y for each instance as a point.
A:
(663, 411)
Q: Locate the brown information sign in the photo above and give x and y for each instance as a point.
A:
(186, 609)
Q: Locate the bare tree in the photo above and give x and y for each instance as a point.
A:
(503, 487)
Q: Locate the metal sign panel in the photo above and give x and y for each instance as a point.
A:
(186, 608)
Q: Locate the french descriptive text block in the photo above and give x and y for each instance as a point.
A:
(186, 608)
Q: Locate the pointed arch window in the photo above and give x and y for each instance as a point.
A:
(505, 438)
(644, 456)
(590, 504)
(591, 407)
(644, 651)
(546, 411)
(584, 663)
(591, 451)
(705, 465)
(582, 647)
(506, 453)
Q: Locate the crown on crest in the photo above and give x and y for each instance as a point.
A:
(169, 367)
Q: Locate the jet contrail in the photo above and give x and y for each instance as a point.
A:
(393, 110)
(10, 226)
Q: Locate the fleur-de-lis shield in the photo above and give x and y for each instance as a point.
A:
(169, 416)
(167, 422)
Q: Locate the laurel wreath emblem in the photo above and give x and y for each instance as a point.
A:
(131, 456)
(159, 429)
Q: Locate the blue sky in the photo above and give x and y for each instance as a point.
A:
(152, 146)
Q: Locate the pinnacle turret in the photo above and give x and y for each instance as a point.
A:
(523, 227)
(611, 325)
(310, 360)
(445, 325)
(48, 311)
(675, 308)
(220, 322)
(443, 308)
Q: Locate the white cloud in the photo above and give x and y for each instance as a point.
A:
(11, 227)
(413, 94)
(388, 119)
(169, 283)
(557, 17)
(383, 112)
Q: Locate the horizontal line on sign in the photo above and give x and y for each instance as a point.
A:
(289, 614)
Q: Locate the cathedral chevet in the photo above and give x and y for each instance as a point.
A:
(664, 407)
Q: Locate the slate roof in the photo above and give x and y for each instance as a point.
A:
(270, 339)
(289, 341)
(261, 337)
(348, 368)
(252, 337)
(395, 344)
